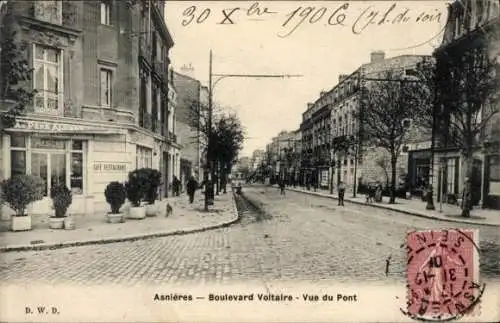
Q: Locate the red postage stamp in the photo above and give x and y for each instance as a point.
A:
(443, 274)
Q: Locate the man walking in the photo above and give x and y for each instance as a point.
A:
(192, 185)
(282, 186)
(341, 193)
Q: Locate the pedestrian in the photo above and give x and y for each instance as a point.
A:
(341, 193)
(378, 192)
(176, 184)
(282, 186)
(192, 185)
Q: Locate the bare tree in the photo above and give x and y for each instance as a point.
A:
(467, 86)
(384, 164)
(386, 109)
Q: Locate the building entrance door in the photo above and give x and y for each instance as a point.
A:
(165, 173)
(51, 168)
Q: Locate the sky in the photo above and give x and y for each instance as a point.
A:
(317, 40)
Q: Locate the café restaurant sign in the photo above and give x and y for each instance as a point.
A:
(110, 167)
(49, 126)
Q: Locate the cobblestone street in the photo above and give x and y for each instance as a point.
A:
(306, 238)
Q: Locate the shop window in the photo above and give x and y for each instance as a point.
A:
(18, 155)
(76, 175)
(18, 162)
(47, 79)
(49, 160)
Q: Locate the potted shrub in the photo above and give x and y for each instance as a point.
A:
(61, 200)
(18, 192)
(115, 194)
(151, 194)
(136, 187)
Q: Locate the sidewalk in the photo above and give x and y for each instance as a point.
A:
(93, 229)
(416, 207)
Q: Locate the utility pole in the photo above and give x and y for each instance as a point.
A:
(209, 184)
(211, 86)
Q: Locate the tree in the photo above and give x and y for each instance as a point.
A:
(467, 85)
(383, 162)
(227, 141)
(386, 108)
(14, 70)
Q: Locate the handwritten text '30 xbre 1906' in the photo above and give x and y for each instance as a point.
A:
(358, 19)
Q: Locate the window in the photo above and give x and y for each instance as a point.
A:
(105, 13)
(49, 11)
(106, 87)
(144, 157)
(77, 169)
(48, 158)
(143, 98)
(47, 79)
(18, 155)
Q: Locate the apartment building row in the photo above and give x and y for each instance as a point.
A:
(430, 155)
(333, 116)
(105, 101)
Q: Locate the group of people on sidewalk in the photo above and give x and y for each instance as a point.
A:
(191, 186)
(374, 192)
(341, 190)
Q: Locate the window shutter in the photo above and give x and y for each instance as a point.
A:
(30, 57)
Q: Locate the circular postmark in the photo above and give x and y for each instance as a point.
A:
(443, 274)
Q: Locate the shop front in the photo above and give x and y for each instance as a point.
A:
(492, 183)
(85, 157)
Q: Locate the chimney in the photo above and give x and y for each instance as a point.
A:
(377, 57)
(188, 70)
(309, 105)
(342, 77)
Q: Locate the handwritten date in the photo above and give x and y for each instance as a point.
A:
(193, 14)
(342, 15)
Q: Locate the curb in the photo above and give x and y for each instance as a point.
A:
(60, 245)
(395, 210)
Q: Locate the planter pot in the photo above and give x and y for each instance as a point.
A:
(151, 210)
(21, 223)
(115, 217)
(69, 223)
(56, 223)
(137, 212)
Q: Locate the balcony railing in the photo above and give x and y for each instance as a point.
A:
(172, 136)
(145, 47)
(161, 68)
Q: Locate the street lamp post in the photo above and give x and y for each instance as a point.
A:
(211, 86)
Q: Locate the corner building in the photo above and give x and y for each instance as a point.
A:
(101, 110)
(472, 26)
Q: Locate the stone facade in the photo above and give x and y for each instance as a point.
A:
(334, 115)
(101, 71)
(188, 110)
